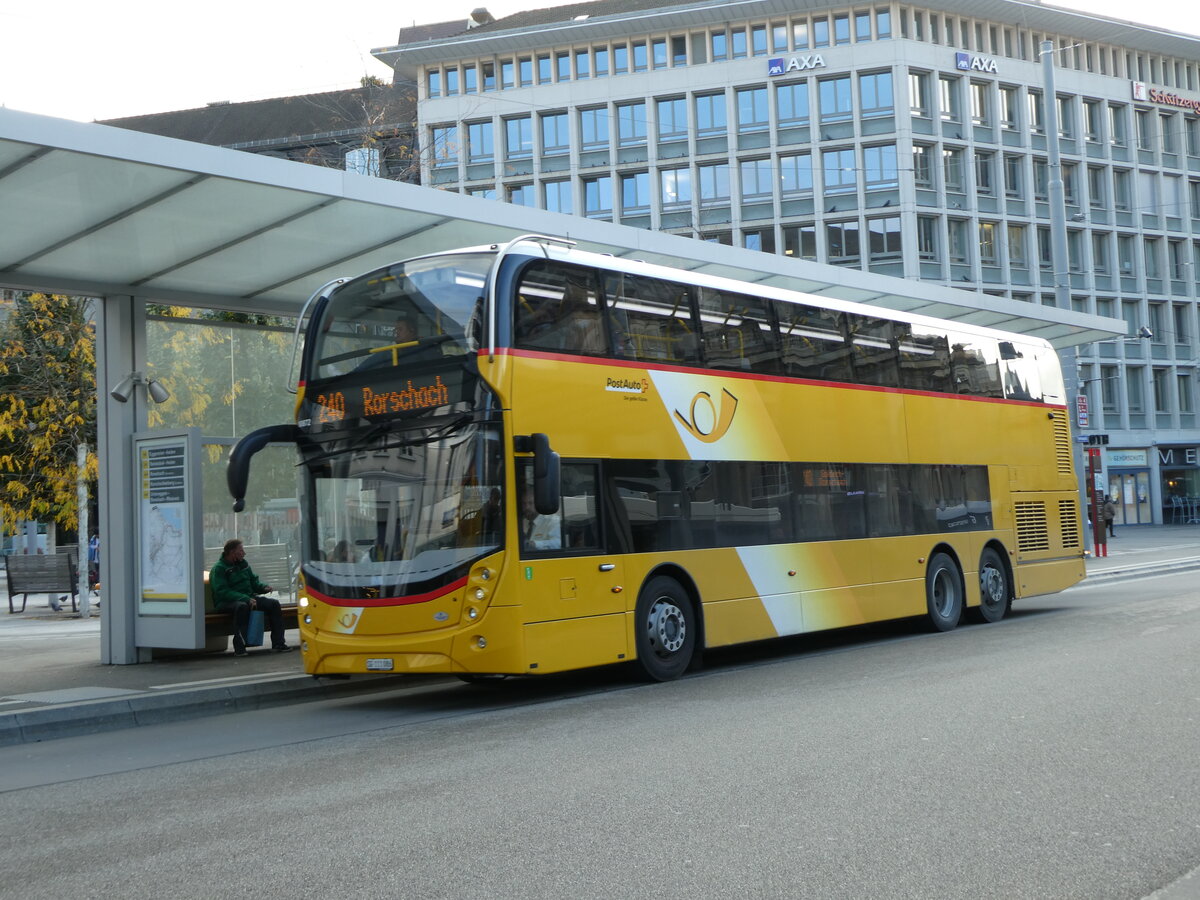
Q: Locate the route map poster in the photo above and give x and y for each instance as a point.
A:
(164, 520)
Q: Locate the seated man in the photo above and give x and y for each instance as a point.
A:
(538, 531)
(236, 589)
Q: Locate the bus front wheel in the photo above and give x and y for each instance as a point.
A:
(943, 592)
(666, 629)
(995, 596)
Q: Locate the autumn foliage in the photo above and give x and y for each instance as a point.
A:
(47, 407)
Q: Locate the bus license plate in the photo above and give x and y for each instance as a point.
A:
(380, 665)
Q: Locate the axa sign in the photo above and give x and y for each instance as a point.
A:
(969, 63)
(778, 65)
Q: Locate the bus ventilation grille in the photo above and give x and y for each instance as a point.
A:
(1062, 442)
(1068, 518)
(1032, 533)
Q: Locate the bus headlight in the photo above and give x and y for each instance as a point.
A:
(472, 613)
(480, 593)
(307, 619)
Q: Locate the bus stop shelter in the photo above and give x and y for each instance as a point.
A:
(133, 219)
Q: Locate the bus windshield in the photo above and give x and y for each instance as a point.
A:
(403, 514)
(416, 309)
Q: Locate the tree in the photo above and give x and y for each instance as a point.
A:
(47, 407)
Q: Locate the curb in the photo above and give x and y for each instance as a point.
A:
(48, 723)
(1132, 570)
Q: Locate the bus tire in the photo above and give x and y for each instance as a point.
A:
(666, 628)
(995, 594)
(943, 592)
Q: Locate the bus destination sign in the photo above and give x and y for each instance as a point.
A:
(332, 405)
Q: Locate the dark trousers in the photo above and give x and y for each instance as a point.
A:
(241, 618)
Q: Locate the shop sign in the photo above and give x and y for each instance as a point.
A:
(779, 65)
(1081, 411)
(1179, 456)
(1147, 94)
(968, 63)
(1127, 459)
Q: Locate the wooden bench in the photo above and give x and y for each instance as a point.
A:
(42, 573)
(272, 563)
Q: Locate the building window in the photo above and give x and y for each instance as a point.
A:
(521, 195)
(1012, 175)
(1134, 398)
(1044, 247)
(582, 59)
(1121, 182)
(841, 29)
(862, 26)
(981, 107)
(957, 247)
(1145, 129)
(879, 167)
(518, 137)
(676, 187)
(800, 35)
(948, 102)
(795, 174)
(1097, 196)
(1125, 254)
(641, 60)
(451, 82)
(927, 237)
(758, 180)
(433, 83)
(525, 70)
(635, 192)
(672, 119)
(508, 74)
(875, 94)
(480, 143)
(762, 239)
(597, 197)
(443, 143)
(483, 193)
(820, 32)
(558, 196)
(779, 37)
(1016, 247)
(1179, 319)
(562, 66)
(631, 124)
(678, 51)
(556, 136)
(987, 243)
(1037, 121)
(841, 173)
(719, 45)
(1070, 177)
(658, 53)
(1041, 179)
(489, 76)
(710, 114)
(952, 169)
(1110, 389)
(545, 71)
(1117, 133)
(1066, 117)
(923, 165)
(714, 183)
(883, 239)
(1092, 112)
(1100, 253)
(593, 127)
(1152, 253)
(737, 43)
(841, 243)
(1183, 388)
(984, 173)
(800, 241)
(918, 94)
(836, 100)
(600, 57)
(1170, 137)
(883, 24)
(791, 103)
(620, 55)
(470, 80)
(752, 109)
(758, 40)
(1009, 108)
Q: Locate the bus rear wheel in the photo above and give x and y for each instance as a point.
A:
(666, 629)
(995, 596)
(943, 592)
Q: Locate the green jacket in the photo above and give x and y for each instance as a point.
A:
(232, 582)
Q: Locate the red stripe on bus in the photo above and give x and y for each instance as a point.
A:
(751, 376)
(390, 601)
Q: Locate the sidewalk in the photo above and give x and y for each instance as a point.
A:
(53, 685)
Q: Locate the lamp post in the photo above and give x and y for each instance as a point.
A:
(81, 500)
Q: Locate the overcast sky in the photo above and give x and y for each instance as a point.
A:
(87, 59)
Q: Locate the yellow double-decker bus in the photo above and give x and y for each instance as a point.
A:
(525, 458)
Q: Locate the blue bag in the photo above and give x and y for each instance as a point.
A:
(254, 628)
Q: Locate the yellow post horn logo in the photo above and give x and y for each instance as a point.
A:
(716, 421)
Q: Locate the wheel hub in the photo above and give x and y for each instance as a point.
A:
(667, 627)
(991, 585)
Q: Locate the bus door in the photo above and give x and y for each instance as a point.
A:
(571, 592)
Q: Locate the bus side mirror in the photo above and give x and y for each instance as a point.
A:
(546, 476)
(238, 473)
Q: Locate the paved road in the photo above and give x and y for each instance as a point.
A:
(1052, 755)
